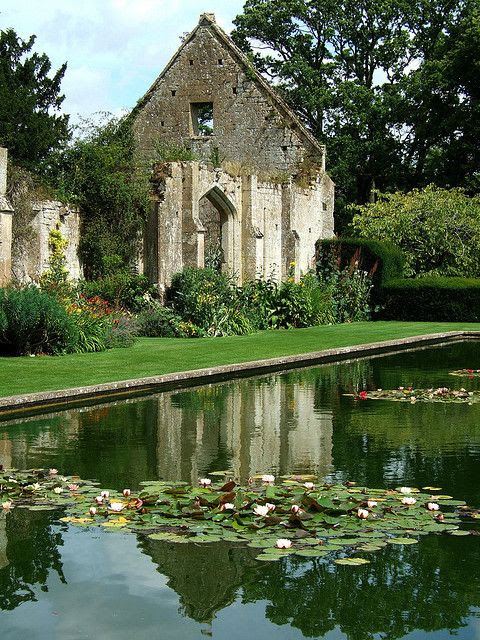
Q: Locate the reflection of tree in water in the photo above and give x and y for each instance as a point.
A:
(206, 577)
(430, 587)
(32, 552)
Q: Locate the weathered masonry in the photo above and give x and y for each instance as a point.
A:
(255, 197)
(25, 256)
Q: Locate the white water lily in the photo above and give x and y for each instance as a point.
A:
(283, 543)
(99, 500)
(36, 486)
(408, 501)
(405, 490)
(92, 511)
(58, 490)
(371, 503)
(268, 479)
(309, 485)
(53, 472)
(432, 506)
(7, 505)
(205, 482)
(270, 506)
(117, 506)
(295, 508)
(126, 493)
(227, 506)
(260, 510)
(363, 514)
(105, 494)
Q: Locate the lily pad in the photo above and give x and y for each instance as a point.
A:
(352, 562)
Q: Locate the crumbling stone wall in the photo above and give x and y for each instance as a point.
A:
(257, 190)
(5, 223)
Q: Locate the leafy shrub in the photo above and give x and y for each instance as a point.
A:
(34, 322)
(381, 260)
(160, 322)
(56, 279)
(121, 332)
(432, 299)
(124, 289)
(437, 229)
(209, 300)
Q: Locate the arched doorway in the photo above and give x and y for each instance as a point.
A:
(217, 215)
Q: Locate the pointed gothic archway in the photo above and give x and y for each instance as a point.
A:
(218, 216)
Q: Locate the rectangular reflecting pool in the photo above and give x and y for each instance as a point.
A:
(57, 581)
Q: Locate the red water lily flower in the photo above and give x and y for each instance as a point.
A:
(363, 395)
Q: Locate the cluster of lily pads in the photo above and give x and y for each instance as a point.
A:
(469, 373)
(291, 515)
(409, 394)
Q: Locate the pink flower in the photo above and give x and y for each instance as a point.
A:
(309, 485)
(205, 482)
(7, 505)
(295, 509)
(363, 514)
(126, 493)
(105, 494)
(432, 506)
(53, 472)
(260, 510)
(99, 500)
(363, 395)
(270, 506)
(371, 503)
(73, 487)
(92, 511)
(268, 479)
(408, 501)
(283, 543)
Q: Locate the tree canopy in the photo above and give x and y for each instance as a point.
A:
(30, 100)
(389, 85)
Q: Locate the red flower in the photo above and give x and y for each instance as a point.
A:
(363, 395)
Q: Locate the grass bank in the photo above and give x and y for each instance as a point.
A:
(158, 356)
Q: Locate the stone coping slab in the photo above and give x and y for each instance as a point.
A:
(183, 379)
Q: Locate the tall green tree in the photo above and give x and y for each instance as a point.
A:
(347, 69)
(30, 121)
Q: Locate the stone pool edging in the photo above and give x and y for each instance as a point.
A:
(196, 377)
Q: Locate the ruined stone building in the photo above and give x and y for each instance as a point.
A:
(24, 239)
(254, 193)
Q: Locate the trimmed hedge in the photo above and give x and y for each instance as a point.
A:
(381, 260)
(431, 299)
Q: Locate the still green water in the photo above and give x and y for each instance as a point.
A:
(57, 581)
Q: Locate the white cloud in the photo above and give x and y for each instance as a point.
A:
(114, 48)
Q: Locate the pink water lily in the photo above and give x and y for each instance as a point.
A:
(270, 506)
(73, 487)
(105, 494)
(99, 500)
(205, 482)
(7, 505)
(309, 485)
(268, 479)
(371, 503)
(432, 506)
(126, 493)
(53, 472)
(92, 511)
(117, 506)
(295, 508)
(260, 510)
(283, 543)
(363, 514)
(408, 501)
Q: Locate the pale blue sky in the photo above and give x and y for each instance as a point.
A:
(114, 48)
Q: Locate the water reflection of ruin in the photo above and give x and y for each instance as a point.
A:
(267, 427)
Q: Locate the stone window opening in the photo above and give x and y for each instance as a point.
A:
(202, 118)
(174, 92)
(191, 63)
(234, 91)
(220, 62)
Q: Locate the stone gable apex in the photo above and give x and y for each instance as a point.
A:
(207, 21)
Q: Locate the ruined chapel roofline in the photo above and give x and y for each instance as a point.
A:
(207, 21)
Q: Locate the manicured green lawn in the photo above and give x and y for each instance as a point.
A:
(157, 356)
